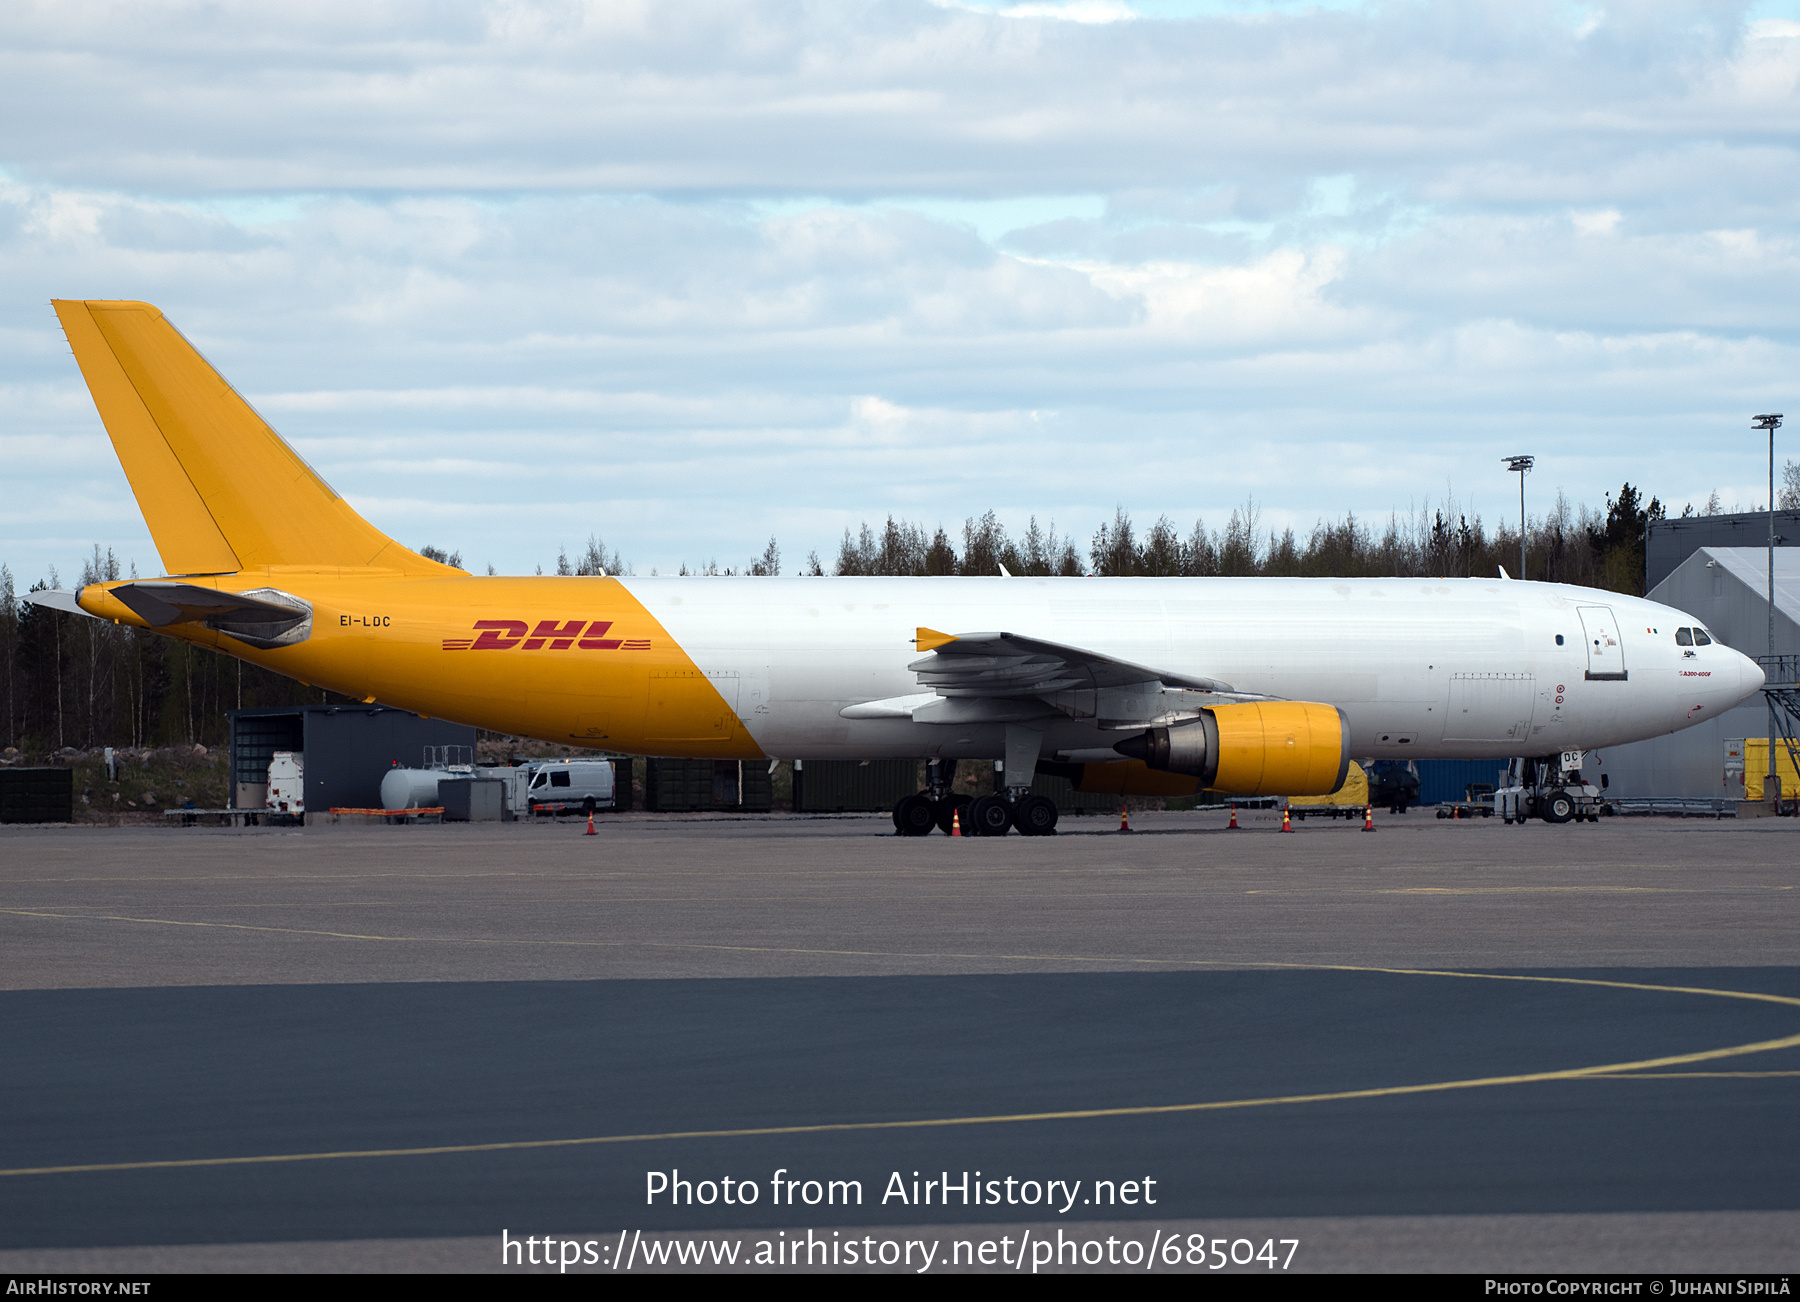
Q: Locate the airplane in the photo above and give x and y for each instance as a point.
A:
(1149, 686)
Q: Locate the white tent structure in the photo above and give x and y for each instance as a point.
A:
(1726, 590)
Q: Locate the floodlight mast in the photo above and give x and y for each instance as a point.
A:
(1771, 782)
(1523, 465)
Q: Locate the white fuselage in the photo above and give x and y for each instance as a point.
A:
(1421, 667)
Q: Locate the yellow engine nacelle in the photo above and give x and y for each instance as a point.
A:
(1260, 748)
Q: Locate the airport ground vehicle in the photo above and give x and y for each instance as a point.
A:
(559, 787)
(1477, 802)
(1551, 789)
(287, 783)
(1148, 686)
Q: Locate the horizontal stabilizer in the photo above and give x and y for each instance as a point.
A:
(162, 604)
(57, 599)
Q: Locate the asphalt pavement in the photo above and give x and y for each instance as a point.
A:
(370, 1048)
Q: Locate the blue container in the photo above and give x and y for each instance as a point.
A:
(1444, 780)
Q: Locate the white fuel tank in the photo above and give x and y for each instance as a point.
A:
(412, 788)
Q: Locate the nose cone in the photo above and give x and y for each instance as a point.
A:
(1750, 677)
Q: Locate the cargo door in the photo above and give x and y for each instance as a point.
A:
(1605, 648)
(1492, 707)
(690, 705)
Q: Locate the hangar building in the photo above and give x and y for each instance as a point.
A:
(1726, 589)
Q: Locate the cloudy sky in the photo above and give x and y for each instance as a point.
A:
(691, 274)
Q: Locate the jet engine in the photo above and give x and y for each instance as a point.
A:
(1259, 748)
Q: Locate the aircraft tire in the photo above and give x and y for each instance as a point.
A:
(990, 816)
(949, 806)
(1035, 816)
(914, 815)
(1559, 807)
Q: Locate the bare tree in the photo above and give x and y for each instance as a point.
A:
(769, 564)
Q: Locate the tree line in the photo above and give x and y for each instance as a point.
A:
(1569, 544)
(68, 681)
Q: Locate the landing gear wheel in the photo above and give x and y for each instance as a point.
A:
(1035, 816)
(949, 806)
(990, 816)
(914, 816)
(1559, 807)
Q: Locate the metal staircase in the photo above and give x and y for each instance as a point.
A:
(1781, 686)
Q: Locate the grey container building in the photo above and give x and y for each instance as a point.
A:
(472, 799)
(348, 749)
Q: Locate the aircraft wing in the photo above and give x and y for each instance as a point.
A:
(1007, 678)
(1009, 665)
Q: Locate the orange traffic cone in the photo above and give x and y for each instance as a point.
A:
(1232, 826)
(1287, 824)
(955, 822)
(590, 831)
(1124, 824)
(1455, 811)
(1368, 818)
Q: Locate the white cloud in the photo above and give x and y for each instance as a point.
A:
(1074, 11)
(1603, 222)
(692, 274)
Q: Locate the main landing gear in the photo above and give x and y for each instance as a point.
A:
(993, 815)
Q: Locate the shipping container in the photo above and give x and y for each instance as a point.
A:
(845, 786)
(37, 795)
(678, 786)
(1070, 801)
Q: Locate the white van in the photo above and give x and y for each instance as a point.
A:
(561, 787)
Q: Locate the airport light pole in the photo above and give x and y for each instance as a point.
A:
(1523, 465)
(1772, 782)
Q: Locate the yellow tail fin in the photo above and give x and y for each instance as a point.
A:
(218, 487)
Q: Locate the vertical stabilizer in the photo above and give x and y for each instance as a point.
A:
(220, 490)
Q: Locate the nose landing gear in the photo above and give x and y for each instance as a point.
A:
(1551, 788)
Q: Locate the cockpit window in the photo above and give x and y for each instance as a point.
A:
(1684, 637)
(1700, 638)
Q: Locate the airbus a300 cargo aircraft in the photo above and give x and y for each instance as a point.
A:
(1251, 686)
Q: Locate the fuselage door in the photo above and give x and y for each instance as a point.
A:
(1605, 648)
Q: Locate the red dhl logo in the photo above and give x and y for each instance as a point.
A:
(506, 634)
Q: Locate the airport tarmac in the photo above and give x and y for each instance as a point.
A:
(1445, 1045)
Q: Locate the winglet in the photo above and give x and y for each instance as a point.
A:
(1503, 573)
(929, 639)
